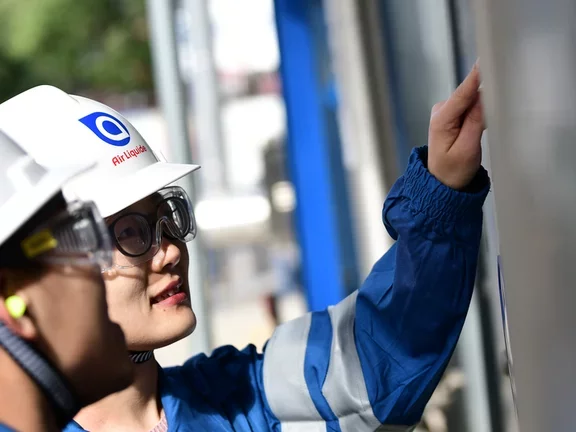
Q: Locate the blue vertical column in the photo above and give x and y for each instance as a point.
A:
(324, 227)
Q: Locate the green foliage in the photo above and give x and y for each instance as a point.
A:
(77, 45)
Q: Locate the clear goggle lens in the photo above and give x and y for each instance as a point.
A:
(77, 236)
(138, 235)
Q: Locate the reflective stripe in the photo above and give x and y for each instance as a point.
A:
(316, 363)
(385, 428)
(283, 370)
(316, 426)
(345, 388)
(312, 426)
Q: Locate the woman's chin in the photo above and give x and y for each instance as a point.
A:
(166, 333)
(179, 335)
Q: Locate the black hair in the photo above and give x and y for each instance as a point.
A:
(11, 253)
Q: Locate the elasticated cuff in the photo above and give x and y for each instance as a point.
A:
(427, 195)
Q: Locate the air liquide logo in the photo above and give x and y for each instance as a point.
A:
(108, 128)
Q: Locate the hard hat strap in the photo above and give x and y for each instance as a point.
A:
(44, 374)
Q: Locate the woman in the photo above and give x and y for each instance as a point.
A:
(374, 359)
(56, 339)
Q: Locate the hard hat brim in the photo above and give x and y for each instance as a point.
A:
(117, 194)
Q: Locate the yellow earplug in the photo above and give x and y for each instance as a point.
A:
(16, 306)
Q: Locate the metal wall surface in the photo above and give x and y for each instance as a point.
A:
(490, 385)
(528, 64)
(418, 40)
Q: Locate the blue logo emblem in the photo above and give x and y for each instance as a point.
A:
(108, 128)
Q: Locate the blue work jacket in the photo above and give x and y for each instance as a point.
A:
(373, 360)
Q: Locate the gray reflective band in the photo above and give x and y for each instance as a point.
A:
(284, 382)
(385, 428)
(320, 426)
(311, 426)
(345, 388)
(43, 373)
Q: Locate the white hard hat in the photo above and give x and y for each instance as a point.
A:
(59, 129)
(25, 186)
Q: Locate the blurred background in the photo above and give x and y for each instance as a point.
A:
(302, 114)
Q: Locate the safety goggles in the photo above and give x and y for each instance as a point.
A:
(77, 236)
(138, 235)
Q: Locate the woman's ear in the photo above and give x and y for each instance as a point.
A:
(13, 308)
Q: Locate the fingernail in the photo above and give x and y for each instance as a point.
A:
(477, 63)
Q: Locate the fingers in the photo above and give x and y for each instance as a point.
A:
(437, 107)
(472, 126)
(462, 99)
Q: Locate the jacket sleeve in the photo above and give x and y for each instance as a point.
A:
(373, 360)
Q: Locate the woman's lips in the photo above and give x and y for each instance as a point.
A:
(171, 295)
